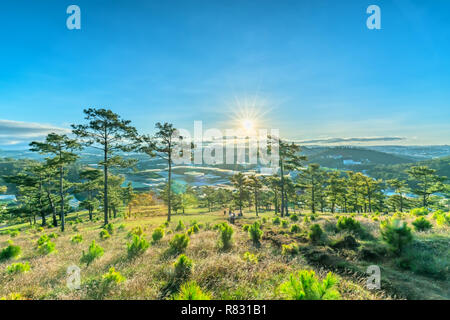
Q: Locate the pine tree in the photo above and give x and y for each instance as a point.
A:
(62, 148)
(240, 185)
(108, 132)
(255, 185)
(289, 160)
(312, 180)
(428, 182)
(400, 189)
(335, 188)
(163, 145)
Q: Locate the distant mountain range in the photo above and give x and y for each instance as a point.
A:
(348, 157)
(419, 152)
(378, 161)
(398, 154)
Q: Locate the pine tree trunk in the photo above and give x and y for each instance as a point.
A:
(61, 193)
(105, 186)
(169, 209)
(90, 206)
(276, 204)
(43, 221)
(52, 206)
(256, 203)
(286, 203)
(282, 188)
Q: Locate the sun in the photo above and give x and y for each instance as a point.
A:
(248, 124)
(247, 113)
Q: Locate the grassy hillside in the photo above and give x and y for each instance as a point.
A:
(244, 271)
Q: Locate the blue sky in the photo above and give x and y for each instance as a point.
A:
(309, 68)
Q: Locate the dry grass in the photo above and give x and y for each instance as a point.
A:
(225, 274)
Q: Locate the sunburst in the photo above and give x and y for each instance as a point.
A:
(248, 114)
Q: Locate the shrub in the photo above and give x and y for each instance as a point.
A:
(443, 219)
(121, 227)
(42, 239)
(78, 238)
(255, 232)
(104, 234)
(226, 232)
(348, 224)
(10, 252)
(47, 247)
(109, 227)
(306, 220)
(294, 218)
(437, 213)
(13, 296)
(194, 229)
(245, 227)
(18, 268)
(264, 220)
(182, 267)
(94, 252)
(138, 231)
(421, 224)
(157, 234)
(250, 257)
(399, 215)
(295, 228)
(179, 243)
(180, 226)
(425, 261)
(191, 291)
(14, 233)
(276, 220)
(137, 246)
(284, 223)
(304, 285)
(217, 226)
(53, 235)
(396, 234)
(419, 212)
(289, 249)
(315, 233)
(113, 277)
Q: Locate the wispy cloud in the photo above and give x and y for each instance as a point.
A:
(18, 132)
(350, 140)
